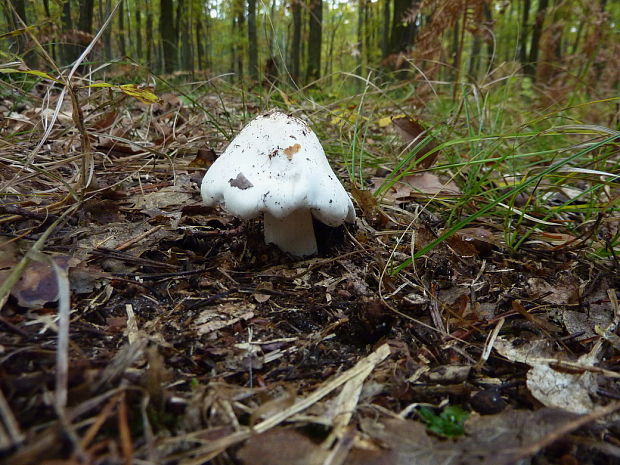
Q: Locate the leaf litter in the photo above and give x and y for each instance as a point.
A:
(191, 341)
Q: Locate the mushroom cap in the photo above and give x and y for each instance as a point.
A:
(276, 164)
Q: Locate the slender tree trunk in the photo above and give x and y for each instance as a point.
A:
(252, 40)
(178, 23)
(187, 50)
(85, 22)
(474, 59)
(18, 42)
(51, 48)
(69, 49)
(149, 39)
(241, 23)
(488, 16)
(138, 16)
(168, 36)
(200, 39)
(402, 33)
(536, 34)
(315, 38)
(238, 22)
(385, 38)
(296, 42)
(122, 46)
(361, 49)
(366, 56)
(525, 17)
(128, 32)
(107, 34)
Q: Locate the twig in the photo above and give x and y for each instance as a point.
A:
(203, 454)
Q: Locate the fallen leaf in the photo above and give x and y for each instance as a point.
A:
(565, 390)
(281, 446)
(38, 284)
(558, 293)
(413, 133)
(204, 158)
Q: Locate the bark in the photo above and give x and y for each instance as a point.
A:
(525, 17)
(85, 22)
(168, 35)
(252, 40)
(122, 46)
(149, 39)
(402, 33)
(488, 16)
(107, 34)
(178, 20)
(187, 49)
(200, 40)
(315, 38)
(385, 39)
(138, 16)
(536, 35)
(18, 43)
(238, 24)
(296, 42)
(361, 49)
(474, 58)
(69, 51)
(51, 46)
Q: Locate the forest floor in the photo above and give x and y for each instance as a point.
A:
(145, 327)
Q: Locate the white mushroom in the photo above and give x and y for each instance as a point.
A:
(276, 166)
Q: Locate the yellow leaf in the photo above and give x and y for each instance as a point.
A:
(98, 85)
(144, 95)
(32, 72)
(384, 122)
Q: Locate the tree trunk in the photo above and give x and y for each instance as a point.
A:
(85, 22)
(107, 34)
(474, 58)
(296, 42)
(252, 40)
(361, 14)
(149, 36)
(17, 42)
(51, 48)
(525, 17)
(402, 33)
(385, 38)
(138, 16)
(536, 34)
(315, 37)
(168, 36)
(121, 29)
(238, 22)
(488, 16)
(187, 50)
(69, 50)
(200, 40)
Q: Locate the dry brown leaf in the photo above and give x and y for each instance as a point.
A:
(413, 133)
(204, 159)
(38, 284)
(559, 293)
(281, 446)
(556, 388)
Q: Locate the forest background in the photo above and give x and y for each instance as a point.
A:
(562, 45)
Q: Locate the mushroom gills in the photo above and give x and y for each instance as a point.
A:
(293, 233)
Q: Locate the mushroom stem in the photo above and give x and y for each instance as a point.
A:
(293, 233)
